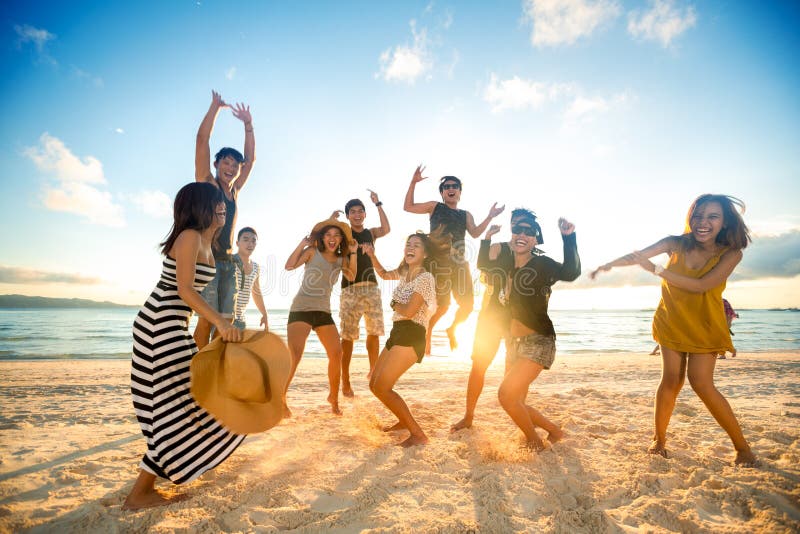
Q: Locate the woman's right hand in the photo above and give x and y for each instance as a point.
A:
(594, 273)
(493, 229)
(230, 333)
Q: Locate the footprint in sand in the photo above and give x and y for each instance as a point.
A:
(324, 501)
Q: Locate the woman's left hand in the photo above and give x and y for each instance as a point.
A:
(643, 261)
(565, 226)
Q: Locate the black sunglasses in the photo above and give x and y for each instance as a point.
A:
(527, 230)
(445, 187)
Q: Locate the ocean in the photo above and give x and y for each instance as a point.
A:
(100, 333)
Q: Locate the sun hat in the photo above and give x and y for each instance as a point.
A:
(242, 384)
(344, 227)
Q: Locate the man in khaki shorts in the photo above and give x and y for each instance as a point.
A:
(361, 297)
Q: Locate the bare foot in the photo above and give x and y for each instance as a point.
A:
(428, 346)
(347, 390)
(658, 448)
(397, 426)
(555, 436)
(721, 357)
(746, 459)
(414, 440)
(535, 446)
(287, 413)
(150, 499)
(451, 336)
(335, 405)
(369, 374)
(466, 422)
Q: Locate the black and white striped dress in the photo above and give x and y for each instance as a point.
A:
(183, 440)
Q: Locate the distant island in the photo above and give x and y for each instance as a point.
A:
(24, 301)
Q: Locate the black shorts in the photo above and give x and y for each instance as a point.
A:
(408, 334)
(314, 318)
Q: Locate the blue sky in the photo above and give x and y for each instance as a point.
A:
(615, 114)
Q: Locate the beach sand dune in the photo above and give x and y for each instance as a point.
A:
(69, 447)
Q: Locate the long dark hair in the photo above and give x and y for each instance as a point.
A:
(437, 248)
(734, 233)
(193, 209)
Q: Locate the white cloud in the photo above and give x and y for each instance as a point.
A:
(83, 75)
(448, 20)
(662, 23)
(516, 93)
(407, 63)
(156, 204)
(230, 73)
(558, 22)
(75, 190)
(38, 37)
(119, 130)
(583, 106)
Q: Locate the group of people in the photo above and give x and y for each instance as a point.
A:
(201, 274)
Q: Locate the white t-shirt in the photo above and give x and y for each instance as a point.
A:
(423, 284)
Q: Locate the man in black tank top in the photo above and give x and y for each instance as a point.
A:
(232, 170)
(361, 297)
(454, 276)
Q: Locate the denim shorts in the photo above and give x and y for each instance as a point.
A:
(534, 347)
(220, 293)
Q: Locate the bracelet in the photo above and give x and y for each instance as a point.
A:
(378, 204)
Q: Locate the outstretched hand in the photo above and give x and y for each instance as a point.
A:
(493, 229)
(495, 211)
(242, 112)
(565, 226)
(217, 101)
(418, 174)
(603, 268)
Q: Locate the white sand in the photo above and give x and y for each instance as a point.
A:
(70, 445)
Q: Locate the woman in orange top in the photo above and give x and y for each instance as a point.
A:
(690, 324)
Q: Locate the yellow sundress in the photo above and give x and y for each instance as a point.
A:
(692, 322)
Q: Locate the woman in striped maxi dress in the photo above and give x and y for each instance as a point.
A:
(183, 440)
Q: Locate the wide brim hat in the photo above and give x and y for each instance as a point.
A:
(242, 384)
(344, 227)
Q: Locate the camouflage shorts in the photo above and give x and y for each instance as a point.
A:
(363, 299)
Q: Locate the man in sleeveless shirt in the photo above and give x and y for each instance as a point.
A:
(362, 297)
(454, 276)
(232, 170)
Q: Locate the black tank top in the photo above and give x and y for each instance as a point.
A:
(364, 270)
(454, 222)
(223, 245)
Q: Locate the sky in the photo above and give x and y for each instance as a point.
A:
(614, 114)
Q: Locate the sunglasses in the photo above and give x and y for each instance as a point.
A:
(445, 187)
(527, 230)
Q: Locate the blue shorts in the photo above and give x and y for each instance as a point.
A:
(220, 293)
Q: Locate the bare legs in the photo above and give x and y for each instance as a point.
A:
(700, 369)
(297, 334)
(390, 367)
(144, 494)
(202, 332)
(482, 356)
(512, 394)
(373, 344)
(441, 309)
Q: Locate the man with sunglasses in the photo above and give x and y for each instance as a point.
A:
(454, 276)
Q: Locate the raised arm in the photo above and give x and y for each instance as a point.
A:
(202, 151)
(242, 112)
(487, 254)
(258, 298)
(711, 279)
(384, 228)
(369, 250)
(185, 252)
(571, 268)
(476, 231)
(300, 255)
(413, 207)
(663, 246)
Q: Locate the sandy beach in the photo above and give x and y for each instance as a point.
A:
(70, 445)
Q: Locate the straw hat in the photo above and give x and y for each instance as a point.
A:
(242, 384)
(344, 227)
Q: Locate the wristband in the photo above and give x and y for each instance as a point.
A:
(658, 269)
(378, 204)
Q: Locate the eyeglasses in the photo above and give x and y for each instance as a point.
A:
(445, 187)
(527, 230)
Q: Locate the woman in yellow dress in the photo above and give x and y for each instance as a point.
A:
(690, 324)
